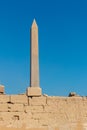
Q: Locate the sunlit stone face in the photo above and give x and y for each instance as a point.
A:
(34, 89)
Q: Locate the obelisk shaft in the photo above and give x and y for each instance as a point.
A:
(34, 57)
(34, 89)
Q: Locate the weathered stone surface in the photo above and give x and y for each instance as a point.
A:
(71, 94)
(15, 108)
(34, 91)
(51, 101)
(34, 109)
(3, 107)
(63, 113)
(51, 109)
(21, 99)
(4, 98)
(40, 116)
(37, 101)
(23, 128)
(34, 75)
(11, 116)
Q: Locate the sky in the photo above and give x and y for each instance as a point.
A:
(62, 28)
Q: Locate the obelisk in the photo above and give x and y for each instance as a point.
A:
(34, 89)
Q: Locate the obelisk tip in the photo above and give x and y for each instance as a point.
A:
(34, 24)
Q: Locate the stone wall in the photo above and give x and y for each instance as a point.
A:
(43, 113)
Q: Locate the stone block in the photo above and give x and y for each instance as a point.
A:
(4, 98)
(44, 122)
(37, 101)
(40, 116)
(34, 91)
(51, 101)
(21, 99)
(9, 116)
(73, 94)
(3, 107)
(15, 108)
(52, 109)
(34, 108)
(32, 123)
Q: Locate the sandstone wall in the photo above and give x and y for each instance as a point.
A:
(43, 113)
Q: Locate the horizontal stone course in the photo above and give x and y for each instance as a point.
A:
(15, 108)
(51, 109)
(55, 100)
(23, 128)
(42, 112)
(40, 115)
(11, 116)
(34, 109)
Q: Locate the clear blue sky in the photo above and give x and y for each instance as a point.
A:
(62, 43)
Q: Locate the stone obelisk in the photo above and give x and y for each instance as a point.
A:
(34, 89)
